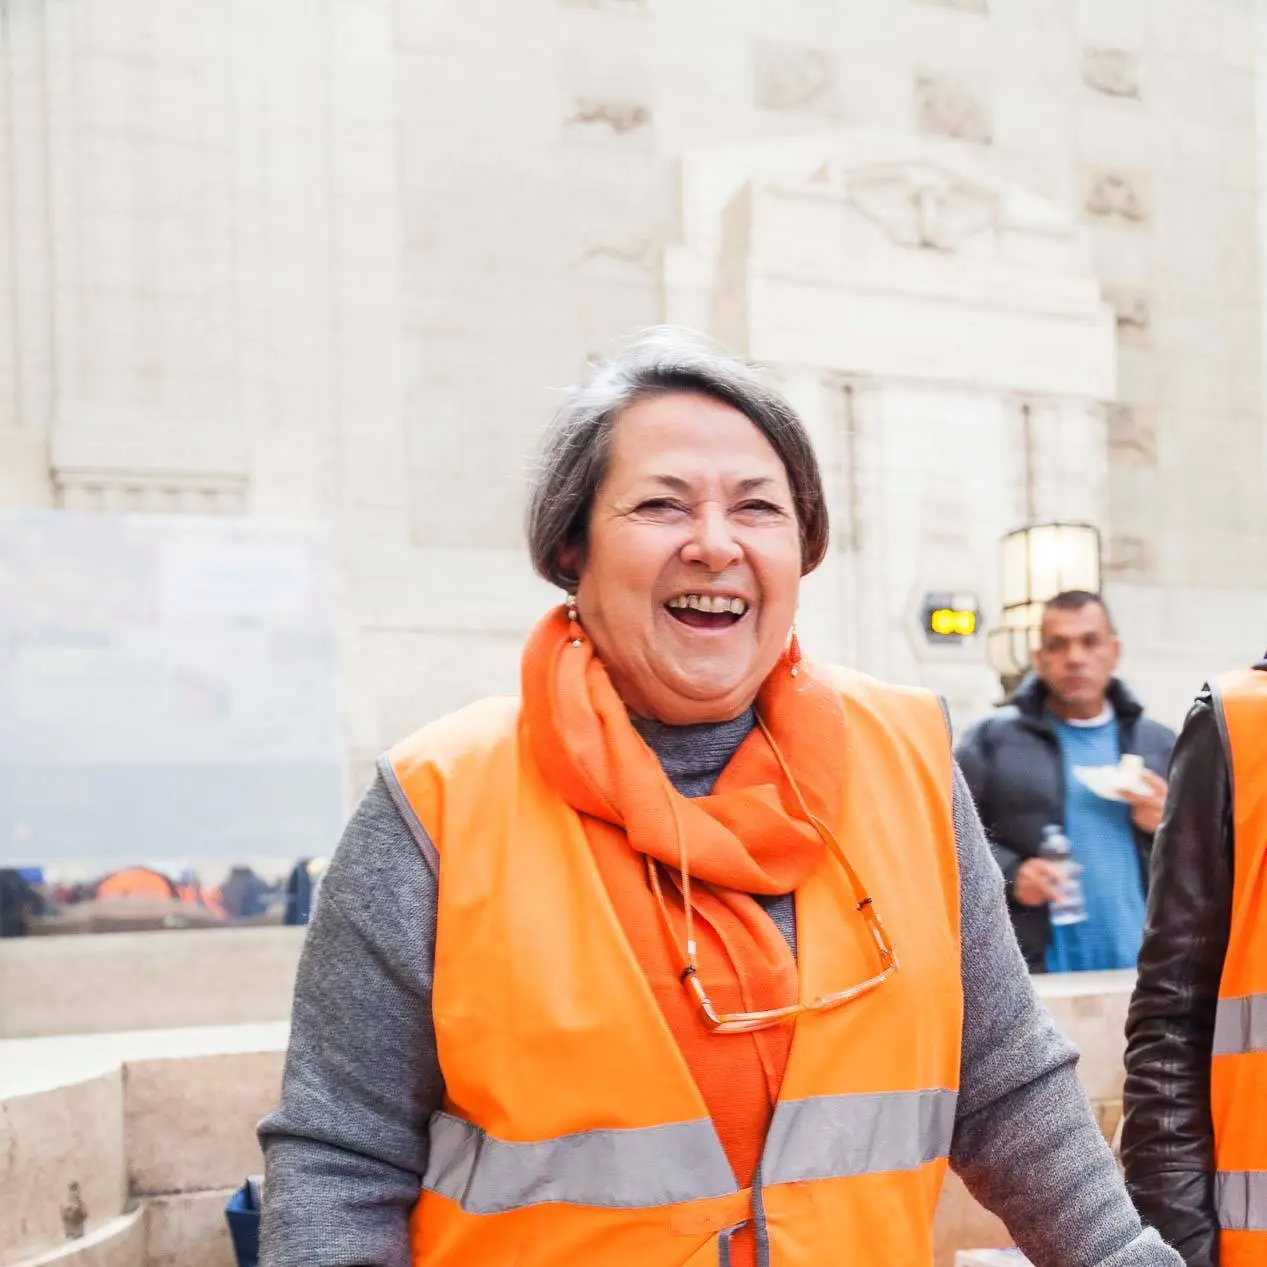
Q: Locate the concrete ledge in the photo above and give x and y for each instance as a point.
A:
(181, 1143)
(119, 1243)
(129, 981)
(190, 1230)
(166, 1118)
(1090, 1008)
(61, 1164)
(28, 1065)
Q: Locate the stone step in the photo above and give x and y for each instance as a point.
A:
(119, 1242)
(190, 1230)
(90, 1127)
(62, 1166)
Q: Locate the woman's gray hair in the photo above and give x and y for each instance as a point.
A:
(577, 445)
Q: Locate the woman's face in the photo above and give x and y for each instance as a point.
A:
(688, 587)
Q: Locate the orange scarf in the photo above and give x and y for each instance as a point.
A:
(748, 837)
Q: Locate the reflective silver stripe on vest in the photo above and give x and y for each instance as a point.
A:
(824, 1137)
(1240, 1025)
(1241, 1200)
(616, 1170)
(837, 1136)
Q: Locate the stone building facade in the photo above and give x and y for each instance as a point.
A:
(333, 260)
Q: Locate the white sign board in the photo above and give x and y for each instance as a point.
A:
(168, 689)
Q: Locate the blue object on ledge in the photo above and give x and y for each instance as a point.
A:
(243, 1214)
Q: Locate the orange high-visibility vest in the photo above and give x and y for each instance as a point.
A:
(573, 1131)
(1238, 1079)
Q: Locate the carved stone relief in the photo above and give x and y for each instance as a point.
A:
(797, 80)
(1133, 312)
(1129, 556)
(591, 114)
(963, 6)
(640, 252)
(1112, 71)
(1116, 197)
(143, 493)
(1132, 435)
(100, 460)
(945, 106)
(922, 207)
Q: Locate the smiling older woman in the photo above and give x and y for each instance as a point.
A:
(692, 954)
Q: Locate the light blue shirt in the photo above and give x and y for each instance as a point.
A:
(1104, 846)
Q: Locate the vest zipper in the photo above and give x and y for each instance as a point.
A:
(761, 1231)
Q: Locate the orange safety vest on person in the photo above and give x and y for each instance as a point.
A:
(573, 1131)
(1238, 1080)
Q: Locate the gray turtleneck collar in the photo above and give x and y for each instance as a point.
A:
(694, 756)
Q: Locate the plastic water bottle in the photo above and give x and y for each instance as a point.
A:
(1071, 907)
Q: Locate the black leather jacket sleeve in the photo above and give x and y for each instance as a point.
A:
(1168, 1136)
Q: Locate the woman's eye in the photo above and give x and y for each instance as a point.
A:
(660, 505)
(760, 508)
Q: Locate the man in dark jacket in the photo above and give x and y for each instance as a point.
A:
(1168, 1136)
(1019, 764)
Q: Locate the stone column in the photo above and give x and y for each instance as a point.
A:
(26, 256)
(201, 271)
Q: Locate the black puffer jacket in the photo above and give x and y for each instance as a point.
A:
(1168, 1137)
(1011, 761)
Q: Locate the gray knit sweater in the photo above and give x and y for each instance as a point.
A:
(347, 1146)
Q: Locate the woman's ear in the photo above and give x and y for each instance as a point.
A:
(570, 559)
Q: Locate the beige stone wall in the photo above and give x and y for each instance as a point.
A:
(138, 981)
(1139, 115)
(337, 266)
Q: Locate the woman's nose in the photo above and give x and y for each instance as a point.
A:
(712, 542)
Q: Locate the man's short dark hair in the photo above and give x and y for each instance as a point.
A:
(1075, 601)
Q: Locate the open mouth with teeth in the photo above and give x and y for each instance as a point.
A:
(707, 611)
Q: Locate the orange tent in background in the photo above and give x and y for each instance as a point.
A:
(137, 882)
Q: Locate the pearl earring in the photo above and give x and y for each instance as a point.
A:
(574, 627)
